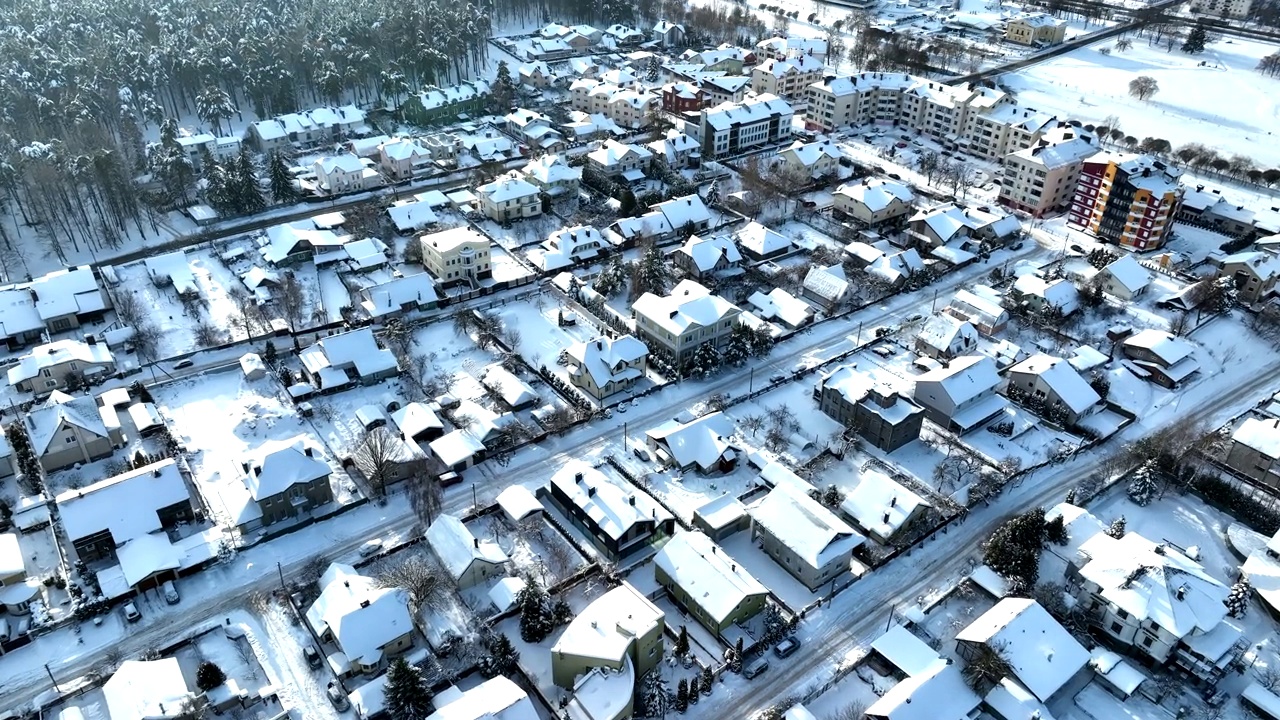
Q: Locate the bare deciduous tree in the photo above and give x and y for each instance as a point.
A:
(419, 575)
(376, 459)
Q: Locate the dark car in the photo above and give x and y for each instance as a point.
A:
(312, 656)
(786, 648)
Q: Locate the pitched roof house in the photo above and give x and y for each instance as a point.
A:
(284, 478)
(618, 517)
(946, 336)
(703, 256)
(1052, 386)
(1160, 357)
(704, 443)
(709, 584)
(1041, 654)
(1125, 278)
(803, 536)
(338, 361)
(369, 624)
(605, 366)
(961, 395)
(67, 431)
(468, 559)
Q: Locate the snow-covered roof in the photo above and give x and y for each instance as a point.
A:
(1009, 699)
(44, 422)
(507, 187)
(457, 548)
(828, 283)
(964, 378)
(1041, 653)
(393, 295)
(797, 65)
(274, 467)
(411, 214)
(707, 575)
(682, 211)
(18, 312)
(702, 442)
(1087, 357)
(11, 559)
(949, 221)
(798, 712)
(1169, 348)
(442, 97)
(174, 266)
(1155, 582)
(362, 616)
(1116, 670)
(70, 291)
(514, 391)
(1058, 374)
(56, 353)
(761, 240)
(611, 152)
(284, 240)
(808, 154)
(758, 108)
(518, 502)
(550, 169)
(672, 145)
(415, 418)
(356, 349)
(942, 330)
(145, 555)
(494, 699)
(606, 360)
(905, 651)
(1060, 293)
(345, 163)
(607, 627)
(126, 505)
(783, 306)
(1144, 171)
(939, 693)
(707, 251)
(876, 193)
(793, 45)
(455, 447)
(448, 240)
(898, 266)
(805, 526)
(1260, 435)
(688, 305)
(982, 307)
(503, 594)
(146, 690)
(880, 504)
(721, 512)
(613, 505)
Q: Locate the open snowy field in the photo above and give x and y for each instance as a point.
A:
(1214, 98)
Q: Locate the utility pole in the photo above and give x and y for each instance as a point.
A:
(280, 570)
(933, 307)
(889, 625)
(751, 382)
(624, 436)
(475, 500)
(55, 682)
(858, 340)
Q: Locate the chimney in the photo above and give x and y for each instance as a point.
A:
(733, 567)
(476, 542)
(91, 340)
(591, 491)
(1182, 592)
(155, 473)
(893, 501)
(577, 477)
(307, 450)
(346, 584)
(364, 603)
(886, 519)
(257, 471)
(600, 344)
(632, 501)
(1159, 550)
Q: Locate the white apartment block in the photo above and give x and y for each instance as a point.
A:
(733, 127)
(1042, 178)
(1222, 8)
(787, 78)
(627, 107)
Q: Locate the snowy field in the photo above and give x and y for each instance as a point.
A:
(1215, 98)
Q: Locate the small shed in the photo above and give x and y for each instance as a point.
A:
(721, 517)
(519, 503)
(145, 418)
(370, 417)
(252, 366)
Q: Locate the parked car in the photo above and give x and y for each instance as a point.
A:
(312, 656)
(337, 697)
(170, 591)
(777, 378)
(371, 548)
(183, 364)
(756, 668)
(131, 612)
(786, 648)
(449, 479)
(895, 176)
(641, 452)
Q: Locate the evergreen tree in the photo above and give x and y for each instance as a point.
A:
(248, 194)
(694, 694)
(735, 662)
(653, 273)
(738, 349)
(708, 681)
(406, 696)
(1143, 487)
(269, 354)
(501, 658)
(535, 612)
(1013, 550)
(1116, 530)
(1238, 601)
(713, 193)
(282, 188)
(209, 676)
(706, 359)
(1055, 531)
(761, 342)
(503, 92)
(213, 105)
(682, 695)
(1195, 40)
(627, 203)
(654, 69)
(682, 642)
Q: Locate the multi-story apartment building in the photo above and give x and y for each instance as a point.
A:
(733, 127)
(1040, 29)
(787, 78)
(1043, 178)
(1222, 8)
(456, 256)
(1127, 199)
(627, 107)
(685, 320)
(837, 101)
(1004, 128)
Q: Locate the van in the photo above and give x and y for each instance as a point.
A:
(170, 592)
(756, 668)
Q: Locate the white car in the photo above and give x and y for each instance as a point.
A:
(371, 548)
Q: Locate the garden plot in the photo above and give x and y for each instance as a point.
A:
(541, 337)
(335, 420)
(683, 493)
(1192, 104)
(233, 656)
(534, 546)
(520, 234)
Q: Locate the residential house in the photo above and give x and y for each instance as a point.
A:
(289, 243)
(1130, 200)
(469, 560)
(954, 226)
(147, 690)
(874, 201)
(719, 89)
(509, 197)
(721, 517)
(983, 310)
(571, 245)
(684, 320)
(786, 78)
(411, 215)
(68, 431)
(338, 174)
(707, 583)
(368, 623)
(404, 159)
(513, 391)
(839, 101)
(945, 336)
(872, 410)
(56, 365)
(724, 59)
(897, 268)
(338, 361)
(1255, 451)
(58, 301)
(458, 255)
(536, 74)
(1042, 656)
(880, 506)
(677, 149)
(1158, 356)
(1156, 602)
(781, 48)
(731, 128)
(605, 366)
(758, 242)
(682, 97)
(624, 35)
(621, 160)
(704, 444)
(1124, 279)
(1044, 296)
(681, 216)
(418, 422)
(100, 518)
(701, 257)
(553, 176)
(438, 104)
(16, 591)
(1042, 179)
(458, 450)
(305, 129)
(930, 687)
(1039, 29)
(619, 518)
(826, 285)
(494, 699)
(804, 537)
(812, 160)
(961, 395)
(285, 479)
(668, 34)
(1050, 386)
(1253, 273)
(399, 296)
(781, 307)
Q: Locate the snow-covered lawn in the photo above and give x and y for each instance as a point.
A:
(538, 548)
(1215, 98)
(541, 338)
(742, 548)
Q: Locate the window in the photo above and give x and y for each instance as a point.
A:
(1123, 614)
(1116, 627)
